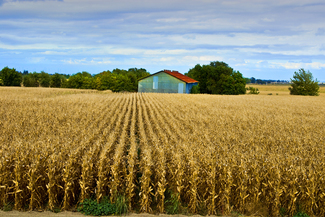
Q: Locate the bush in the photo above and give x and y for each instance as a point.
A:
(91, 207)
(301, 214)
(8, 206)
(252, 90)
(121, 205)
(173, 205)
(303, 84)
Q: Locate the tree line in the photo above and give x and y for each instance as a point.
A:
(253, 80)
(214, 78)
(118, 80)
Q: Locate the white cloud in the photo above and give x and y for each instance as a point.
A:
(289, 65)
(177, 33)
(36, 59)
(171, 20)
(167, 59)
(84, 61)
(204, 59)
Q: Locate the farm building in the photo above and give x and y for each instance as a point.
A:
(166, 81)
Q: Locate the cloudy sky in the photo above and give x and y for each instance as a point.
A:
(260, 38)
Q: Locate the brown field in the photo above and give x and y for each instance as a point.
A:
(250, 154)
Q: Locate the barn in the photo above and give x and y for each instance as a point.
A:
(166, 81)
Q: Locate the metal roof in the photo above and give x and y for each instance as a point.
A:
(177, 75)
(180, 76)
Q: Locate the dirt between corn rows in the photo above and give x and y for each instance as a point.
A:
(77, 214)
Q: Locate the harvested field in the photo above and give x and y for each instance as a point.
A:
(253, 154)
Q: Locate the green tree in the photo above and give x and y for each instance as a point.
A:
(119, 71)
(31, 80)
(1, 82)
(10, 77)
(199, 73)
(248, 80)
(75, 81)
(233, 84)
(123, 83)
(104, 80)
(139, 73)
(135, 75)
(195, 89)
(81, 80)
(120, 80)
(57, 80)
(44, 79)
(218, 78)
(304, 84)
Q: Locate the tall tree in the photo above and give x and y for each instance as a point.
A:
(304, 84)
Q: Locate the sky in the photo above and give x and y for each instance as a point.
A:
(260, 38)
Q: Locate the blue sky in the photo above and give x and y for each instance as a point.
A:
(261, 39)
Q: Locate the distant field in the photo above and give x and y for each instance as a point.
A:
(211, 154)
(280, 89)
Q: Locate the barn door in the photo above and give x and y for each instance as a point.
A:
(180, 87)
(155, 82)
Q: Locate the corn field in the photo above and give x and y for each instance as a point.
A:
(214, 153)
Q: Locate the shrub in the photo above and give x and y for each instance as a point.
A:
(91, 207)
(301, 214)
(8, 206)
(252, 90)
(121, 205)
(173, 205)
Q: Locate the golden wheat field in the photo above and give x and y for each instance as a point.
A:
(249, 153)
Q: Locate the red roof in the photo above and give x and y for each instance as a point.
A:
(180, 76)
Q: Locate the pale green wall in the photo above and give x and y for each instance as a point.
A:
(166, 84)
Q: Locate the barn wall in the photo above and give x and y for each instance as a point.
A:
(189, 87)
(166, 84)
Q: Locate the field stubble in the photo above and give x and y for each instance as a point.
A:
(215, 154)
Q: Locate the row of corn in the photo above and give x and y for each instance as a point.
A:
(214, 154)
